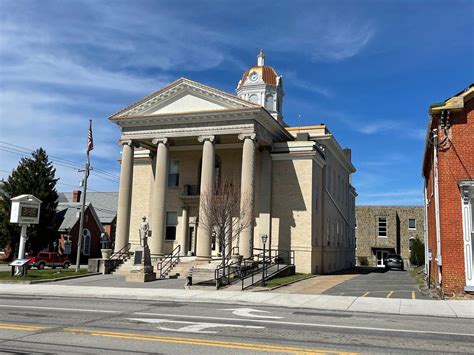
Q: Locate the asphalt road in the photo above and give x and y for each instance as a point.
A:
(377, 282)
(74, 326)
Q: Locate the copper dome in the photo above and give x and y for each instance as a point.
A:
(268, 74)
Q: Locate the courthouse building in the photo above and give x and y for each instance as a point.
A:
(180, 141)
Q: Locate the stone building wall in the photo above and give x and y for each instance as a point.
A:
(368, 240)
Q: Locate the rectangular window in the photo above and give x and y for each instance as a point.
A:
(411, 223)
(171, 222)
(382, 227)
(173, 173)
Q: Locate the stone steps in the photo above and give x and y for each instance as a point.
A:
(124, 268)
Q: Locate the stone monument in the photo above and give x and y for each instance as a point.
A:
(142, 270)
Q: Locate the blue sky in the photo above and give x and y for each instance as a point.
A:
(367, 69)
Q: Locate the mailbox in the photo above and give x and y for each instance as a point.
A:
(25, 209)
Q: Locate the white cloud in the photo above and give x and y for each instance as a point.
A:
(61, 65)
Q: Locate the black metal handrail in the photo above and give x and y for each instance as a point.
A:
(274, 257)
(226, 273)
(121, 254)
(164, 265)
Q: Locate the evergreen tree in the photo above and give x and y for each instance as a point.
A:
(417, 252)
(34, 176)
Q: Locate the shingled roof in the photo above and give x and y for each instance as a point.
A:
(105, 204)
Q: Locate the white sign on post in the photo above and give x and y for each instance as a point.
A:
(25, 210)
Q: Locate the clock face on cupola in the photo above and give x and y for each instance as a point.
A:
(263, 86)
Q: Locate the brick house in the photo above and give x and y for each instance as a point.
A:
(67, 220)
(105, 206)
(384, 230)
(448, 170)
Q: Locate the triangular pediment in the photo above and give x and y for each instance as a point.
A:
(184, 96)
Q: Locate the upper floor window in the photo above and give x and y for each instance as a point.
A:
(411, 223)
(173, 173)
(171, 222)
(382, 227)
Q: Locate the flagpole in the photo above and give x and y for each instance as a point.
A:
(83, 198)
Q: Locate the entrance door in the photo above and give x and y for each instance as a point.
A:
(381, 257)
(191, 241)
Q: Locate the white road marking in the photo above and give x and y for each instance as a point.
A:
(247, 312)
(193, 327)
(59, 309)
(316, 325)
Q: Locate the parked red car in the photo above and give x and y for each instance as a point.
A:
(51, 259)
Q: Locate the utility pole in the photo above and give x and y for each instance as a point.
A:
(90, 146)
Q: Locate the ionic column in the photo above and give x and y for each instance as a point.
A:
(125, 196)
(183, 237)
(207, 188)
(158, 200)
(247, 194)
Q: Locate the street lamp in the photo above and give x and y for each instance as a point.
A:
(264, 241)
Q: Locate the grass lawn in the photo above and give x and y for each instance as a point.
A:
(47, 274)
(285, 279)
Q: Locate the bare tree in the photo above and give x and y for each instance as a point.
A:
(225, 216)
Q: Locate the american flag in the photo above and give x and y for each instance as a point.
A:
(90, 141)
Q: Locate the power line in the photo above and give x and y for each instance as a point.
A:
(89, 189)
(65, 164)
(69, 162)
(58, 158)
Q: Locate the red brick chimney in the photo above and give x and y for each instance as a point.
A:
(76, 196)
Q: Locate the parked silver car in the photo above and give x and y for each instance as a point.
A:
(394, 261)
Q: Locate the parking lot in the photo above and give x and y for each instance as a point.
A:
(378, 282)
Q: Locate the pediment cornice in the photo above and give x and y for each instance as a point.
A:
(175, 89)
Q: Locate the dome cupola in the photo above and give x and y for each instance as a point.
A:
(262, 85)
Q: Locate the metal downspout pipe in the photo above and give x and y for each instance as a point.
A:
(436, 196)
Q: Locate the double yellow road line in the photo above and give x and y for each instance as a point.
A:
(31, 328)
(181, 340)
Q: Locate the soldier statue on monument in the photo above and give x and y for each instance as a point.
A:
(142, 269)
(144, 228)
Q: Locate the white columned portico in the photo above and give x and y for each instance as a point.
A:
(158, 201)
(207, 187)
(183, 236)
(247, 194)
(125, 196)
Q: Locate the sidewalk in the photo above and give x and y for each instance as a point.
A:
(439, 308)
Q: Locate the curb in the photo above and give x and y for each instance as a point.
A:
(32, 282)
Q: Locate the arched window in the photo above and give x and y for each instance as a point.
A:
(269, 102)
(253, 98)
(329, 179)
(86, 242)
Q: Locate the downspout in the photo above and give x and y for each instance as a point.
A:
(436, 196)
(425, 231)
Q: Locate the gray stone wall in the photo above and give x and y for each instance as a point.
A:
(368, 240)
